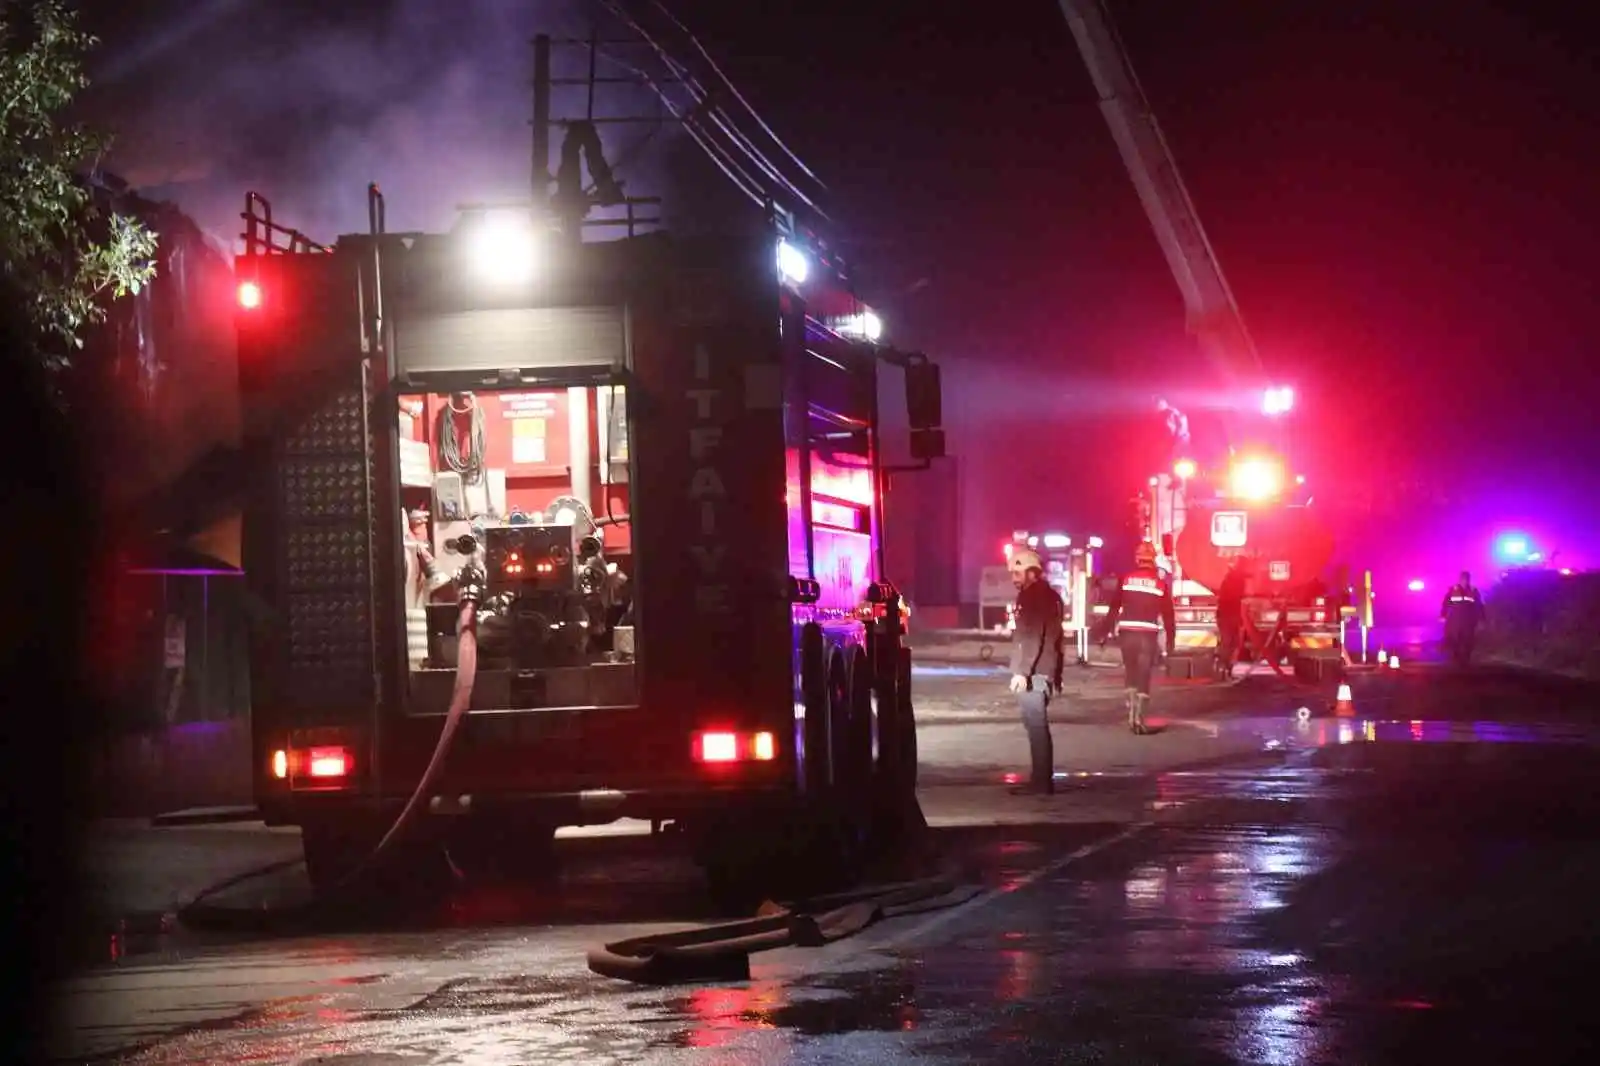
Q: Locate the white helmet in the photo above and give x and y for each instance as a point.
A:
(1025, 559)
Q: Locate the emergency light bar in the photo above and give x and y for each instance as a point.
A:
(1256, 479)
(866, 325)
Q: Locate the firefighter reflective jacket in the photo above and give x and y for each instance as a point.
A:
(1142, 602)
(1463, 605)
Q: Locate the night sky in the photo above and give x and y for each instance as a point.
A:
(1403, 202)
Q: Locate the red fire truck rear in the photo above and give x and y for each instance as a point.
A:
(557, 533)
(1253, 512)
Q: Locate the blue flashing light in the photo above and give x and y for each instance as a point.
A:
(1514, 546)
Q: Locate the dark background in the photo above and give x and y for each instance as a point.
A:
(1401, 195)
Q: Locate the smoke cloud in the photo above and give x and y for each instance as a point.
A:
(308, 102)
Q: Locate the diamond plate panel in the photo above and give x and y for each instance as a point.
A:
(326, 557)
(313, 489)
(335, 429)
(325, 563)
(330, 645)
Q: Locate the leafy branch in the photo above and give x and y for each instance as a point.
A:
(58, 247)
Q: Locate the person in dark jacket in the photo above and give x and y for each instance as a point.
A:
(1141, 605)
(1461, 612)
(1230, 615)
(1037, 656)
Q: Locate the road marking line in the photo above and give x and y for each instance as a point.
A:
(807, 963)
(1049, 869)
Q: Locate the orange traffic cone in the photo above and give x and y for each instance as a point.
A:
(1343, 706)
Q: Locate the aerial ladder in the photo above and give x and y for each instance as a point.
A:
(1213, 314)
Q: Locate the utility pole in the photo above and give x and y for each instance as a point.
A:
(541, 122)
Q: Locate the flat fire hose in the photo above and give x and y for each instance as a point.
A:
(721, 952)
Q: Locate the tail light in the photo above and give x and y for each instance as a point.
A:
(249, 295)
(328, 762)
(315, 767)
(717, 746)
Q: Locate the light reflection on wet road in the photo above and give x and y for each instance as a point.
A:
(1370, 890)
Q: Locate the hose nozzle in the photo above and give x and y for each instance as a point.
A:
(472, 584)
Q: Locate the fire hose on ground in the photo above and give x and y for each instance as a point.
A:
(721, 952)
(197, 911)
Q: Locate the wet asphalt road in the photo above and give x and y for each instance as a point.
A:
(1415, 883)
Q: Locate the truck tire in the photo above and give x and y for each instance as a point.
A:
(897, 810)
(857, 746)
(332, 852)
(814, 694)
(502, 851)
(906, 726)
(410, 875)
(839, 708)
(804, 850)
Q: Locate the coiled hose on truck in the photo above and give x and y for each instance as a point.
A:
(198, 912)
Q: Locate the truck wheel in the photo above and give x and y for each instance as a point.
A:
(332, 853)
(409, 875)
(814, 692)
(505, 851)
(906, 725)
(776, 855)
(858, 735)
(839, 713)
(898, 814)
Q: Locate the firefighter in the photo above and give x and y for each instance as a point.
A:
(1141, 604)
(1230, 615)
(1461, 612)
(1036, 661)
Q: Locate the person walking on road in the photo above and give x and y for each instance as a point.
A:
(1037, 656)
(1461, 612)
(1230, 616)
(1141, 605)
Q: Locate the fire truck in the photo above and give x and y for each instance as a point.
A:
(557, 532)
(1253, 515)
(1068, 568)
(1237, 492)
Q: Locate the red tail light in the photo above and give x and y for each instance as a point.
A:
(313, 767)
(719, 747)
(249, 295)
(328, 762)
(730, 747)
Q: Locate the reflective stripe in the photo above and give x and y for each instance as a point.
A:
(1136, 624)
(1146, 589)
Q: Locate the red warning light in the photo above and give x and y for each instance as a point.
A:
(249, 295)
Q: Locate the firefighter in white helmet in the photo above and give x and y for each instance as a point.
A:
(1140, 608)
(1036, 661)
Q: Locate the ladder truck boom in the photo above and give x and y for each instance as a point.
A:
(1213, 314)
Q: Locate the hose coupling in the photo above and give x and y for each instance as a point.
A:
(472, 584)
